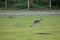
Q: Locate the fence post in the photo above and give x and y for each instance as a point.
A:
(50, 4)
(28, 4)
(5, 4)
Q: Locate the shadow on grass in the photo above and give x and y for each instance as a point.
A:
(44, 33)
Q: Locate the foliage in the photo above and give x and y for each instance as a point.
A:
(43, 3)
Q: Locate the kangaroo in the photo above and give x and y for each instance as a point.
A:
(37, 21)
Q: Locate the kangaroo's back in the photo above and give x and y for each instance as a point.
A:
(37, 21)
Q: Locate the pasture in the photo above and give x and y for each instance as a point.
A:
(17, 27)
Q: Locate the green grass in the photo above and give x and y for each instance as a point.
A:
(17, 27)
(25, 10)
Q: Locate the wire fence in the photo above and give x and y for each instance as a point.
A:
(27, 4)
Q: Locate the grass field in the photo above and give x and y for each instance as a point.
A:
(17, 27)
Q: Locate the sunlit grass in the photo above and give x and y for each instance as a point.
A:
(17, 27)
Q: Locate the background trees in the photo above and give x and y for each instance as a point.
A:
(22, 4)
